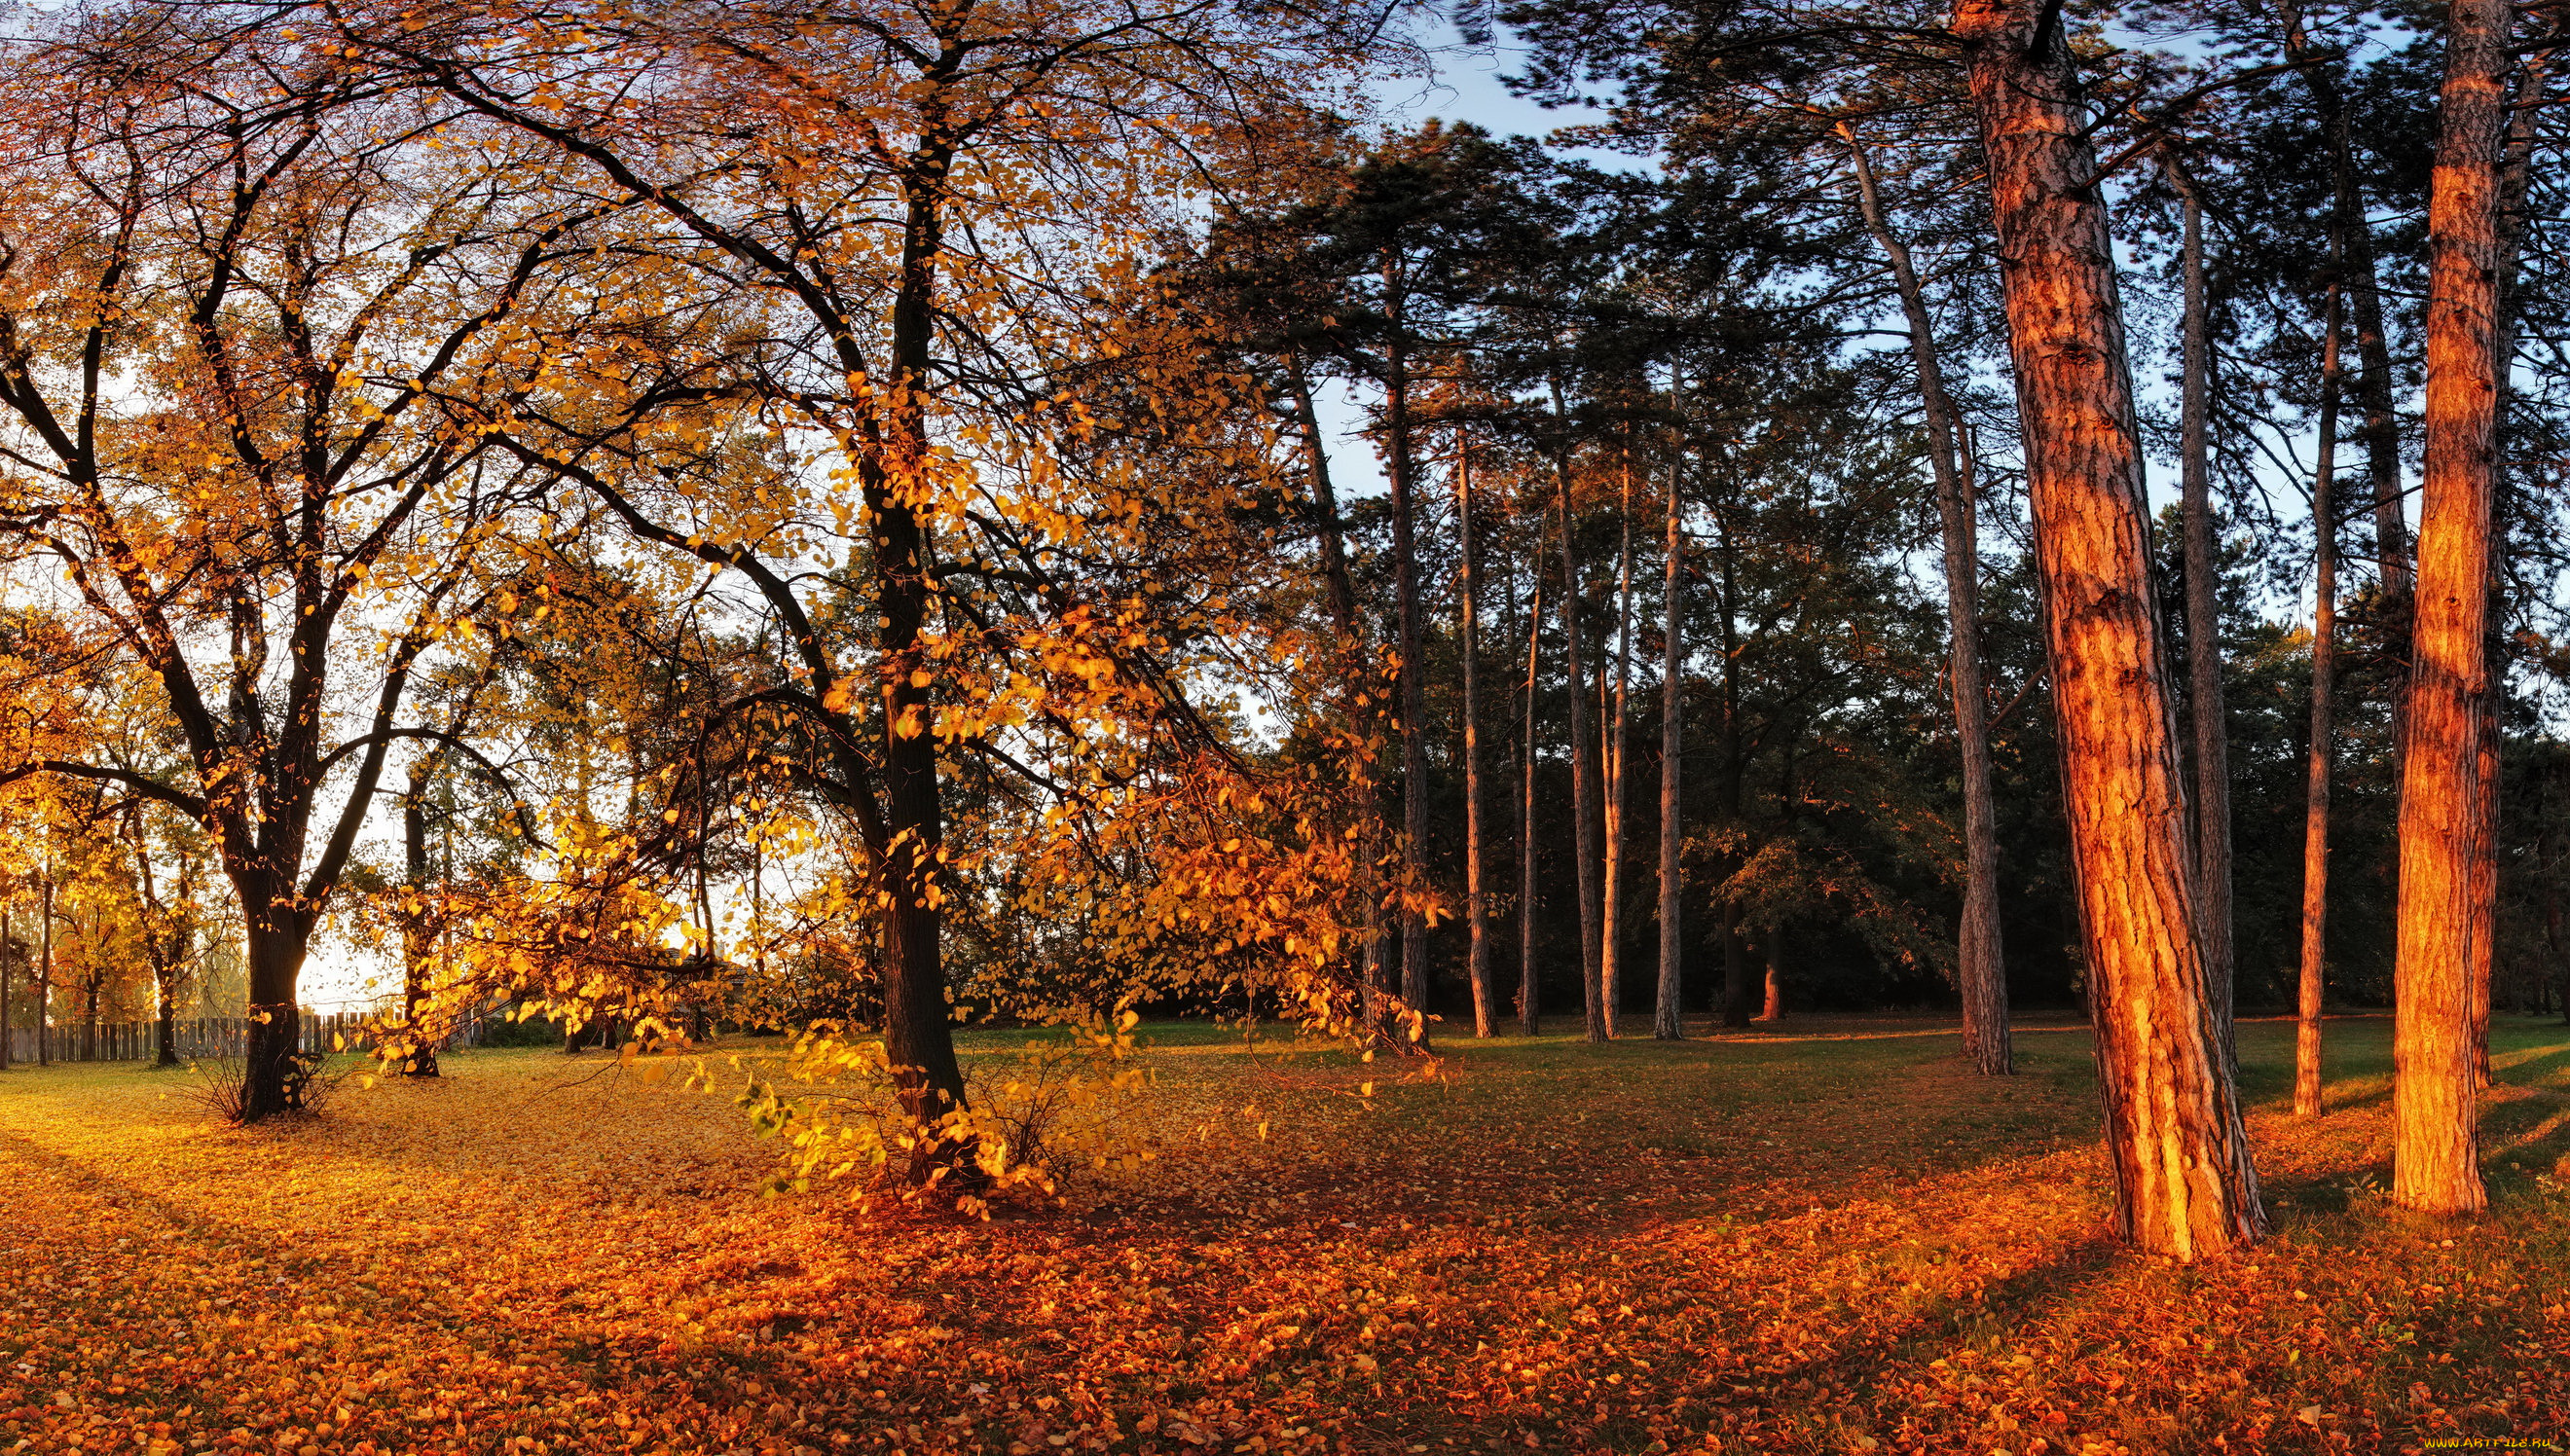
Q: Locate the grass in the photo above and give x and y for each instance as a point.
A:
(1829, 1238)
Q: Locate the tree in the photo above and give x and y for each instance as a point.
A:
(2180, 1156)
(2316, 818)
(2436, 1164)
(1475, 909)
(1665, 1020)
(283, 488)
(1981, 969)
(2203, 613)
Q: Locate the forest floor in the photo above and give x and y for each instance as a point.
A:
(1826, 1237)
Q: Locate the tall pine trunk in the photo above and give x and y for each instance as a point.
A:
(1341, 595)
(2316, 792)
(1413, 678)
(1529, 1020)
(2177, 1153)
(1476, 903)
(2516, 177)
(2204, 624)
(1583, 752)
(2436, 1164)
(2484, 866)
(1981, 968)
(1325, 509)
(1610, 957)
(1736, 983)
(1666, 1022)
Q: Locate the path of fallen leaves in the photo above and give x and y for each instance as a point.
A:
(1828, 1239)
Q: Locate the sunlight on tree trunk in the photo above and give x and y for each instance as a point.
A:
(1529, 1017)
(1610, 955)
(1476, 903)
(2179, 1155)
(1584, 765)
(2435, 1162)
(2316, 795)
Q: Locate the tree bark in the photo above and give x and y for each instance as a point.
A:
(1325, 504)
(1476, 903)
(1666, 1021)
(2516, 177)
(1773, 1009)
(45, 973)
(1414, 687)
(2204, 625)
(2483, 937)
(919, 1036)
(1610, 957)
(2553, 937)
(1341, 595)
(2178, 1151)
(8, 959)
(1584, 750)
(2436, 1164)
(419, 1059)
(272, 1081)
(2315, 791)
(1529, 1020)
(1735, 984)
(1981, 968)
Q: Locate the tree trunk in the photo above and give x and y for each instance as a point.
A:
(1342, 603)
(1774, 1009)
(1476, 904)
(2435, 1166)
(2516, 177)
(1583, 762)
(2203, 629)
(918, 1037)
(419, 1057)
(45, 973)
(272, 1073)
(1981, 968)
(1666, 1022)
(2354, 237)
(1735, 984)
(2483, 937)
(2553, 939)
(1610, 917)
(1414, 685)
(2315, 793)
(8, 959)
(1529, 1014)
(2178, 1151)
(1325, 503)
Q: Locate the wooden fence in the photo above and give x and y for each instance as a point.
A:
(199, 1038)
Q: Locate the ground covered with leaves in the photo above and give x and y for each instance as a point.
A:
(1829, 1238)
